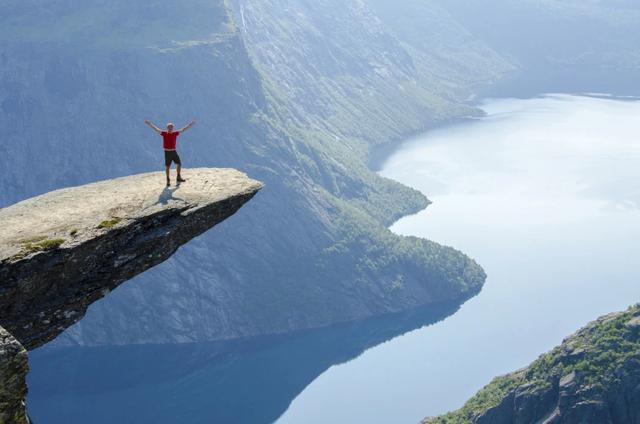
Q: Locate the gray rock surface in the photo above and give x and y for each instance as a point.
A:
(62, 251)
(13, 388)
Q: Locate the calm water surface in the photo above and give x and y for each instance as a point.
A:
(544, 193)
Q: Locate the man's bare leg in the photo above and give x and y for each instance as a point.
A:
(167, 170)
(180, 179)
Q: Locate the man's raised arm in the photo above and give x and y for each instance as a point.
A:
(189, 125)
(153, 127)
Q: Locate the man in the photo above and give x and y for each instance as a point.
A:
(169, 144)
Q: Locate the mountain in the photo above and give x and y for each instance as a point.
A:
(297, 94)
(292, 92)
(558, 45)
(593, 377)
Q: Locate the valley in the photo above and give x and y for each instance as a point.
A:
(415, 173)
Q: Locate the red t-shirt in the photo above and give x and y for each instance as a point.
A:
(169, 139)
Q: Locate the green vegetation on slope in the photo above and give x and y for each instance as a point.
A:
(109, 223)
(38, 244)
(598, 354)
(336, 85)
(339, 84)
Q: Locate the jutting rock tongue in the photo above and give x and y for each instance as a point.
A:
(64, 250)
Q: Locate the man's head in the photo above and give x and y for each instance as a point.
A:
(170, 126)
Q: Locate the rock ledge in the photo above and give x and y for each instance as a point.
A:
(62, 251)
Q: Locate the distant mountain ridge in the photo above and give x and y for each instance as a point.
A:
(560, 46)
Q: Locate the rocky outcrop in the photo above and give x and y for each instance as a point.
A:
(13, 387)
(592, 378)
(64, 250)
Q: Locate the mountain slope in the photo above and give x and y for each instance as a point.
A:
(564, 46)
(289, 101)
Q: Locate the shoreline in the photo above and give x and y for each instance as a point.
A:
(379, 153)
(530, 345)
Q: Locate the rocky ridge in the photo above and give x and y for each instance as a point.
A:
(593, 377)
(62, 251)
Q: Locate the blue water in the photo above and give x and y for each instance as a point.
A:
(246, 381)
(544, 193)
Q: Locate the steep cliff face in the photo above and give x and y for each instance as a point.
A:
(314, 249)
(62, 251)
(342, 71)
(592, 378)
(73, 93)
(337, 68)
(13, 386)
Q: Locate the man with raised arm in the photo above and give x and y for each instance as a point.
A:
(169, 144)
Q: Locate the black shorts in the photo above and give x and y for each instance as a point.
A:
(171, 156)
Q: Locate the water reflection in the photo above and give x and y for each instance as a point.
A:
(250, 381)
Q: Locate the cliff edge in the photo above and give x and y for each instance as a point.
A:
(64, 250)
